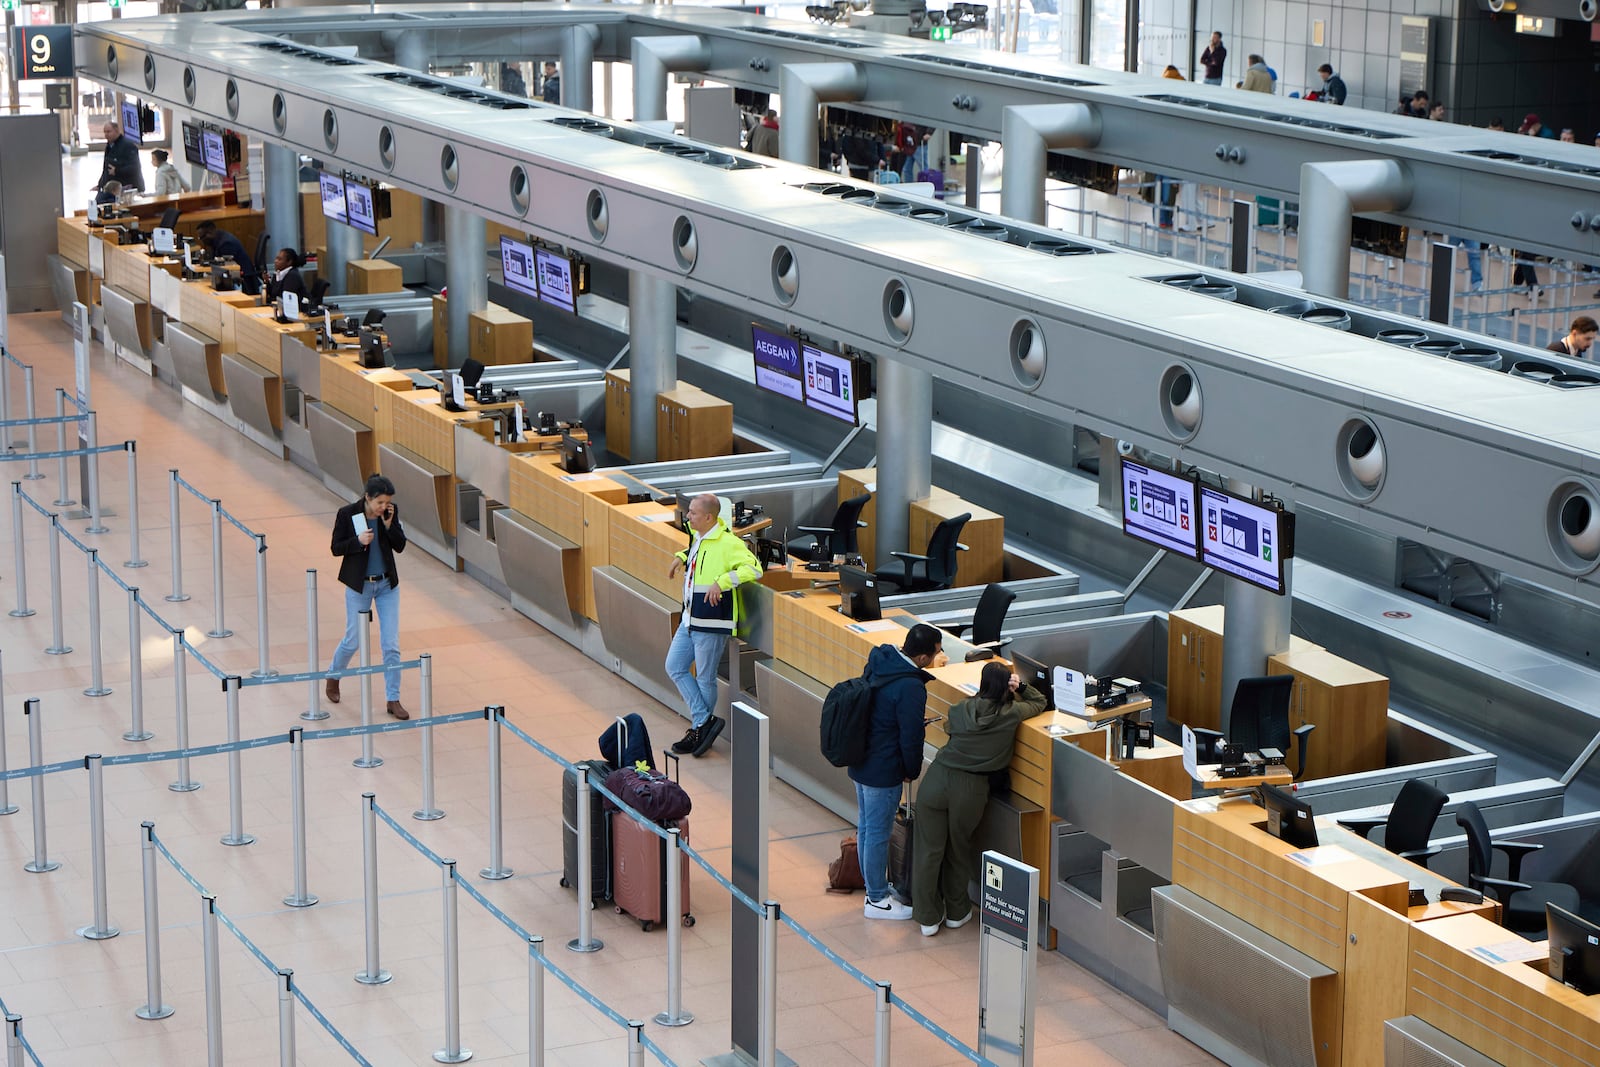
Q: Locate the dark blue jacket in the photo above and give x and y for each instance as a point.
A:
(894, 749)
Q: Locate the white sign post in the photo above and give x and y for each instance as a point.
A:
(1008, 958)
(4, 309)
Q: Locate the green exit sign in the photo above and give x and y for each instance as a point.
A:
(939, 33)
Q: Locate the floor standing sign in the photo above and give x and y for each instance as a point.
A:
(1008, 959)
(80, 368)
(3, 310)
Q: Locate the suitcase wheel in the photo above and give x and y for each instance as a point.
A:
(564, 883)
(688, 920)
(647, 925)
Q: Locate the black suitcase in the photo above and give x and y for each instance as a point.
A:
(900, 838)
(599, 832)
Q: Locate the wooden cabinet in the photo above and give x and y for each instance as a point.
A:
(691, 424)
(853, 484)
(1349, 705)
(372, 276)
(499, 337)
(984, 535)
(619, 410)
(441, 332)
(1194, 667)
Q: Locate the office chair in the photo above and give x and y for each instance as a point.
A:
(836, 539)
(319, 289)
(1409, 822)
(259, 261)
(1522, 903)
(1259, 718)
(988, 618)
(936, 569)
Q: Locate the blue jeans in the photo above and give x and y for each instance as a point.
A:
(702, 652)
(1474, 257)
(1213, 81)
(875, 807)
(1165, 188)
(384, 600)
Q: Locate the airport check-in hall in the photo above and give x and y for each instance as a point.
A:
(1308, 585)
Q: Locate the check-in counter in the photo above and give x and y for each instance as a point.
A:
(482, 487)
(429, 493)
(127, 323)
(197, 361)
(984, 534)
(345, 450)
(255, 396)
(576, 507)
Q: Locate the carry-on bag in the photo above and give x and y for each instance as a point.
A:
(639, 868)
(900, 837)
(599, 831)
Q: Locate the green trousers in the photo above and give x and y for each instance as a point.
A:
(949, 808)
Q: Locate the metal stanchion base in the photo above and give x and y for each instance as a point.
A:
(33, 868)
(421, 814)
(96, 529)
(93, 934)
(737, 1058)
(62, 651)
(444, 1055)
(143, 735)
(103, 691)
(301, 902)
(382, 978)
(83, 513)
(495, 874)
(314, 716)
(33, 477)
(176, 599)
(184, 787)
(242, 839)
(219, 634)
(9, 809)
(135, 564)
(152, 1014)
(365, 762)
(270, 672)
(683, 1019)
(593, 946)
(62, 503)
(18, 613)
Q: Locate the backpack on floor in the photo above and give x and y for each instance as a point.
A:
(844, 873)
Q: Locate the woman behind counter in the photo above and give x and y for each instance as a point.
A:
(955, 791)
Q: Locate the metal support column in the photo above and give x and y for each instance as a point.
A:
(905, 452)
(652, 356)
(803, 87)
(343, 245)
(466, 274)
(282, 166)
(577, 66)
(1258, 626)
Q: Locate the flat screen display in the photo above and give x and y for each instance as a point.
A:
(192, 152)
(555, 279)
(333, 201)
(517, 263)
(777, 362)
(1242, 538)
(830, 382)
(130, 122)
(1158, 508)
(215, 156)
(359, 208)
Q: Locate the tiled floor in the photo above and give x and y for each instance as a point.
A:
(77, 997)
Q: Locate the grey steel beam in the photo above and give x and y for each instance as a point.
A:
(1028, 134)
(1331, 195)
(654, 58)
(805, 86)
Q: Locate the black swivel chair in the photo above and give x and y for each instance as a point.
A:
(988, 618)
(1259, 718)
(936, 569)
(319, 290)
(1521, 902)
(836, 539)
(261, 264)
(1409, 823)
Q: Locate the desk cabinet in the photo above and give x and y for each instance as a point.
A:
(499, 337)
(619, 409)
(1194, 667)
(372, 276)
(441, 332)
(1349, 705)
(691, 424)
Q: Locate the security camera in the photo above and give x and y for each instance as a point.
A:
(1124, 448)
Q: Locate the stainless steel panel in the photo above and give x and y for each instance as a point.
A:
(63, 283)
(248, 394)
(792, 701)
(161, 360)
(1131, 817)
(483, 463)
(335, 439)
(302, 366)
(638, 624)
(30, 202)
(474, 537)
(532, 562)
(192, 352)
(127, 320)
(1410, 1042)
(422, 486)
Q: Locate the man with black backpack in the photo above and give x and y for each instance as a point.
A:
(899, 680)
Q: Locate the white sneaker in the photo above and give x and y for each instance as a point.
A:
(887, 908)
(956, 924)
(929, 931)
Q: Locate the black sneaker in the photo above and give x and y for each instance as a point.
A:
(687, 745)
(708, 734)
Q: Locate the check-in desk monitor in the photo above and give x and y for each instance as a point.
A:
(1158, 508)
(1289, 818)
(777, 359)
(1574, 950)
(1245, 539)
(858, 595)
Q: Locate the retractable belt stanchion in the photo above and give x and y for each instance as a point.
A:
(213, 967)
(373, 975)
(364, 635)
(585, 941)
(102, 929)
(235, 834)
(152, 1007)
(497, 870)
(136, 730)
(880, 1057)
(429, 811)
(180, 682)
(219, 628)
(674, 1015)
(313, 712)
(174, 515)
(452, 1051)
(33, 474)
(6, 807)
(286, 1017)
(135, 560)
(769, 983)
(263, 670)
(535, 1001)
(635, 1044)
(19, 554)
(5, 404)
(13, 1040)
(58, 639)
(63, 475)
(97, 676)
(92, 492)
(41, 862)
(300, 898)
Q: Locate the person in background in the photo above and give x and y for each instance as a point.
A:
(982, 732)
(1436, 112)
(1257, 78)
(1532, 127)
(224, 245)
(1420, 104)
(285, 275)
(168, 181)
(511, 80)
(551, 93)
(1498, 124)
(764, 137)
(900, 678)
(715, 564)
(1334, 90)
(884, 175)
(1568, 136)
(367, 570)
(1212, 59)
(109, 193)
(1579, 340)
(121, 159)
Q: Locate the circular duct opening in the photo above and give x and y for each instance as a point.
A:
(1529, 368)
(230, 98)
(685, 244)
(1028, 354)
(1186, 281)
(1403, 338)
(1587, 10)
(280, 113)
(111, 61)
(899, 317)
(1487, 358)
(521, 191)
(1573, 524)
(386, 147)
(785, 275)
(1574, 381)
(598, 215)
(1182, 405)
(150, 73)
(189, 88)
(449, 168)
(1217, 291)
(1442, 346)
(330, 130)
(1361, 458)
(1333, 318)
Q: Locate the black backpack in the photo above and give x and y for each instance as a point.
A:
(847, 721)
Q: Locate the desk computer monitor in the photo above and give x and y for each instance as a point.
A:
(575, 455)
(130, 122)
(192, 151)
(1245, 539)
(1289, 818)
(1036, 674)
(471, 373)
(1574, 950)
(215, 152)
(360, 210)
(858, 594)
(169, 218)
(334, 204)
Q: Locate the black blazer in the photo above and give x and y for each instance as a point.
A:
(292, 283)
(353, 566)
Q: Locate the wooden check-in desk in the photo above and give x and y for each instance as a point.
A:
(575, 507)
(984, 534)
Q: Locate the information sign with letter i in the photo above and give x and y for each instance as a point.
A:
(1008, 961)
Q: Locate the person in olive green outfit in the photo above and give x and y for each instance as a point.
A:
(955, 790)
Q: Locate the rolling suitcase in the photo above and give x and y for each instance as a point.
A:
(599, 832)
(639, 869)
(900, 836)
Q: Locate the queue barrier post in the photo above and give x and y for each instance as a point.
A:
(6, 807)
(429, 810)
(286, 1057)
(19, 554)
(92, 491)
(41, 862)
(134, 560)
(174, 516)
(452, 1052)
(213, 969)
(219, 628)
(314, 711)
(235, 834)
(180, 682)
(136, 730)
(101, 930)
(30, 413)
(373, 974)
(497, 870)
(364, 634)
(58, 638)
(97, 676)
(263, 669)
(535, 1001)
(152, 1008)
(585, 941)
(63, 475)
(300, 898)
(674, 1015)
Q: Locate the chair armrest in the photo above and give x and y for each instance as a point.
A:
(956, 628)
(1515, 852)
(1363, 827)
(815, 529)
(1503, 887)
(961, 547)
(1420, 856)
(1206, 743)
(909, 558)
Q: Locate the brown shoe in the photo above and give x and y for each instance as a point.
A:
(398, 710)
(331, 690)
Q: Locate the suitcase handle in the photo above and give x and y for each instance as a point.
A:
(670, 757)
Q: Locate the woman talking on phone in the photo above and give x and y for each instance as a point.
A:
(367, 534)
